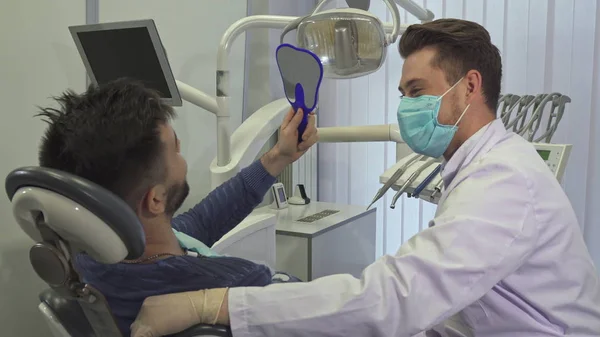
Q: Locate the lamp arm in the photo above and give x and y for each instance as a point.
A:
(419, 12)
(197, 97)
(248, 139)
(363, 133)
(320, 6)
(395, 19)
(238, 27)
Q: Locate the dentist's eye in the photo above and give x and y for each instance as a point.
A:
(415, 92)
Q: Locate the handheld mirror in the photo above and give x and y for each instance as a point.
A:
(301, 72)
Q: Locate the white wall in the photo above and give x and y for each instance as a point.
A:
(546, 46)
(37, 60)
(191, 32)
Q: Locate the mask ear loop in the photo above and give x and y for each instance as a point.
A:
(461, 115)
(447, 91)
(452, 87)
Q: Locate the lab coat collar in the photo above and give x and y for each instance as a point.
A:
(478, 143)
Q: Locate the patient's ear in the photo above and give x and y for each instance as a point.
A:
(155, 201)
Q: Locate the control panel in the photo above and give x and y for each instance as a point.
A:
(555, 156)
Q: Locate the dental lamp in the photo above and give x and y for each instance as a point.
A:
(349, 42)
(329, 35)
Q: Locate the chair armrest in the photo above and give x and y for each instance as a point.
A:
(253, 239)
(205, 330)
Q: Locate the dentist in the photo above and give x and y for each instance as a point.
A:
(503, 257)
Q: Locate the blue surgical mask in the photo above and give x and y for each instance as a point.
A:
(419, 126)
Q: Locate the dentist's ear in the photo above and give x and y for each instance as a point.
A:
(474, 83)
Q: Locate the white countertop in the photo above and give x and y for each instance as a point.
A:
(287, 218)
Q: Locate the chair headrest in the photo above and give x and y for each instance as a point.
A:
(80, 212)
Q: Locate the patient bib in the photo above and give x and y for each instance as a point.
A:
(191, 244)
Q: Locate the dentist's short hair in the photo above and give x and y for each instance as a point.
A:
(461, 46)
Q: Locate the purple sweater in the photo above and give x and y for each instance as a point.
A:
(125, 286)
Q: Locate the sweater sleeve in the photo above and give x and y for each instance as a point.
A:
(226, 206)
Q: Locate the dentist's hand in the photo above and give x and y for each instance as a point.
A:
(172, 313)
(288, 150)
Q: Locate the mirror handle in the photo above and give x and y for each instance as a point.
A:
(299, 104)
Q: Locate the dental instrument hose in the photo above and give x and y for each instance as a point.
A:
(437, 189)
(426, 182)
(410, 180)
(393, 179)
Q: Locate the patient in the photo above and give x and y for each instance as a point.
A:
(119, 136)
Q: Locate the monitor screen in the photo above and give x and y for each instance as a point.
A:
(127, 49)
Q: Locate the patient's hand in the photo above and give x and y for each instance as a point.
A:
(168, 314)
(288, 150)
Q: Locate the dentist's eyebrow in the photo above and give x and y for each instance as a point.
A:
(409, 84)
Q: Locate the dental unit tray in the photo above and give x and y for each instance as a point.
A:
(301, 72)
(555, 156)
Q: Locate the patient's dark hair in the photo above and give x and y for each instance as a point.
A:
(461, 46)
(110, 136)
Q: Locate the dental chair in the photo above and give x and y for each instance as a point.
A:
(66, 215)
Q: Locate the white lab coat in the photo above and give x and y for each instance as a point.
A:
(503, 257)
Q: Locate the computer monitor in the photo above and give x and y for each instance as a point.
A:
(129, 49)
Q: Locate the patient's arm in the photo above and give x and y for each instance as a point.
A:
(231, 202)
(226, 206)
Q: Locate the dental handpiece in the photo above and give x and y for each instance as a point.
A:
(426, 181)
(437, 189)
(410, 180)
(393, 179)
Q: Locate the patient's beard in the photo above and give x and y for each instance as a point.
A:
(176, 196)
